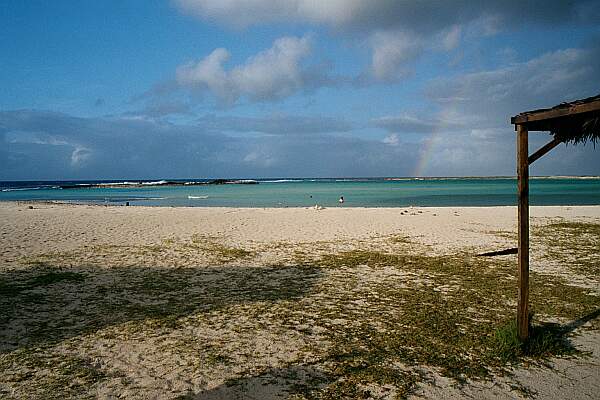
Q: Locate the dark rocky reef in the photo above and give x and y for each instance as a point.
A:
(161, 183)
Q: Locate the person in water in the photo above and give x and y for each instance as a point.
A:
(341, 200)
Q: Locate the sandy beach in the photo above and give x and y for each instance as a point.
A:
(220, 303)
(300, 199)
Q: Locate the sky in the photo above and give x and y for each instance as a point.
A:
(151, 89)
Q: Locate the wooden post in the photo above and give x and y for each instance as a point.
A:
(523, 220)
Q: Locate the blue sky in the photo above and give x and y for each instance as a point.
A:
(263, 88)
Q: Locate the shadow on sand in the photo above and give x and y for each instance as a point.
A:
(550, 338)
(273, 384)
(46, 304)
(277, 383)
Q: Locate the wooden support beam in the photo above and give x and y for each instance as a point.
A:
(543, 150)
(523, 221)
(557, 112)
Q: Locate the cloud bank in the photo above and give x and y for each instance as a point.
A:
(48, 145)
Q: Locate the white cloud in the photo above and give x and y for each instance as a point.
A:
(41, 138)
(276, 72)
(451, 37)
(248, 12)
(490, 98)
(480, 105)
(80, 155)
(394, 54)
(426, 15)
(260, 158)
(399, 31)
(391, 139)
(208, 71)
(32, 137)
(272, 74)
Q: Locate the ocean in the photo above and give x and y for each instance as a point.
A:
(306, 192)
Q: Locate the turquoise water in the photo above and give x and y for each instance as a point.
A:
(325, 192)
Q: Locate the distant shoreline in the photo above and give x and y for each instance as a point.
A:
(217, 181)
(309, 192)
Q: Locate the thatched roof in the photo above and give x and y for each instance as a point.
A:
(576, 121)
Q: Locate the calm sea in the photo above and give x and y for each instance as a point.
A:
(371, 192)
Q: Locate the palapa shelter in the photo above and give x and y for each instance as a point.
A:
(574, 122)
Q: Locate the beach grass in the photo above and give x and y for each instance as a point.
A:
(49, 374)
(545, 340)
(348, 324)
(577, 248)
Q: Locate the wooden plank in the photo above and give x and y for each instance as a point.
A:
(556, 112)
(523, 225)
(543, 150)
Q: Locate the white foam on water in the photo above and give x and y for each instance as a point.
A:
(283, 181)
(29, 188)
(110, 184)
(153, 183)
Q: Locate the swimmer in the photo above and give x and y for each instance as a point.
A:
(341, 200)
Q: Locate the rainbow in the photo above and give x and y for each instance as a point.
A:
(427, 151)
(429, 146)
(424, 157)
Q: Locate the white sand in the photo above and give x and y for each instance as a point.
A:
(59, 228)
(54, 227)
